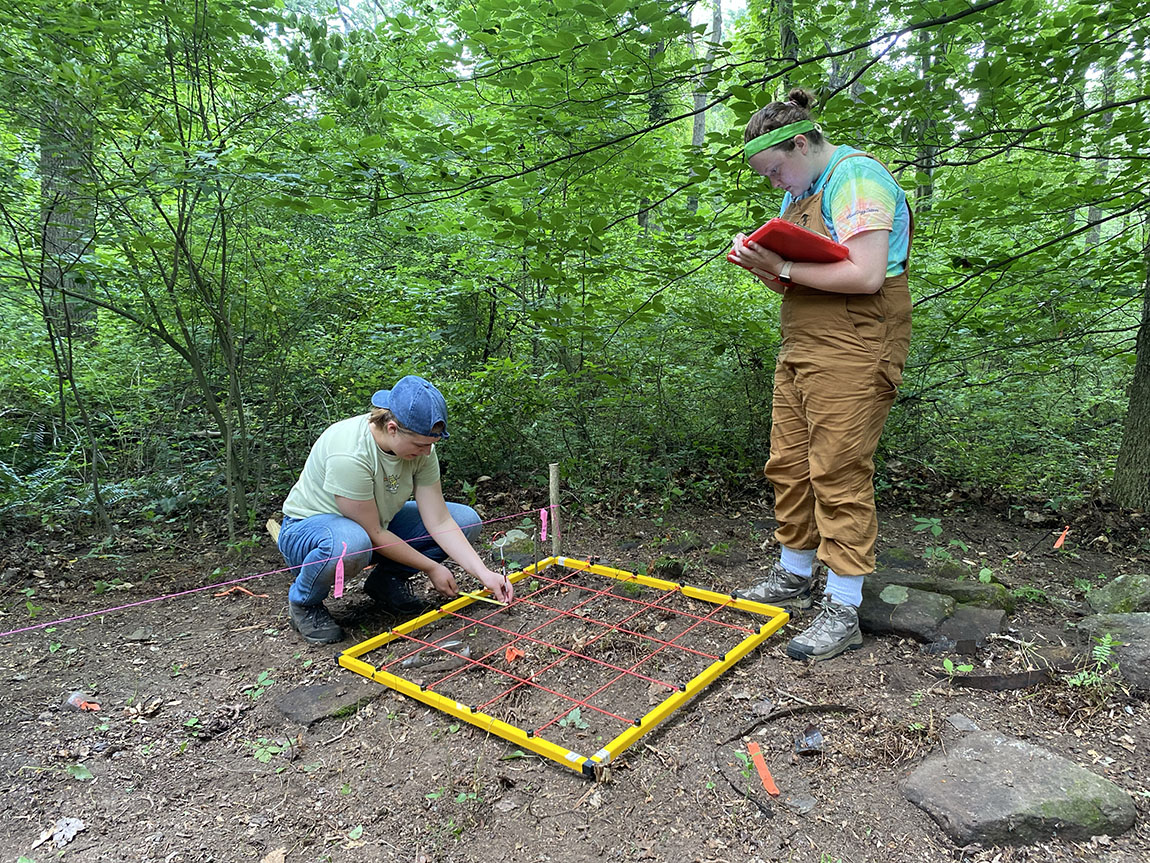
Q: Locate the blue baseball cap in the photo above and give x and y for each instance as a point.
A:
(416, 404)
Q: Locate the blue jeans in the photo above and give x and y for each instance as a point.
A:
(314, 545)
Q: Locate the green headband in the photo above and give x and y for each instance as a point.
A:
(777, 136)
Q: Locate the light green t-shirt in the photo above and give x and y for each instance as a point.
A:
(345, 460)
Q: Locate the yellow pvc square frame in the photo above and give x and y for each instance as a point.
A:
(593, 766)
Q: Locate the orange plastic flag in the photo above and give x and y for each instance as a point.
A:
(1062, 537)
(761, 766)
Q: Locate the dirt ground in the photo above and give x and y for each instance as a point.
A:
(189, 759)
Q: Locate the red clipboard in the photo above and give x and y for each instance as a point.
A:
(795, 244)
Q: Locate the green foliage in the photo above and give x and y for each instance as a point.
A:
(79, 772)
(574, 719)
(264, 681)
(1098, 676)
(264, 750)
(746, 764)
(939, 553)
(275, 212)
(952, 669)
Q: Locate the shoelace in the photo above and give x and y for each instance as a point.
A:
(823, 621)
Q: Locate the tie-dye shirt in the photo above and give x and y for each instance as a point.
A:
(863, 196)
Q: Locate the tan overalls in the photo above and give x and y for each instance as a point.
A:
(837, 375)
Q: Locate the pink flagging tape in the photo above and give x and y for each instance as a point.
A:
(337, 591)
(543, 524)
(217, 585)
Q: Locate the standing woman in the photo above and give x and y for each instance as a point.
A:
(846, 329)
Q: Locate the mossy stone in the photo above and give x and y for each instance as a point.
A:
(1127, 594)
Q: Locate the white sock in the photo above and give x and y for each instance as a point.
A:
(846, 589)
(798, 562)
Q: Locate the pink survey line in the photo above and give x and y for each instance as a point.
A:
(220, 584)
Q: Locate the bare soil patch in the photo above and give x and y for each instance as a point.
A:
(189, 759)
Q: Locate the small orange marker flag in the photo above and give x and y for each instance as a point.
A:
(513, 653)
(239, 589)
(761, 766)
(1062, 537)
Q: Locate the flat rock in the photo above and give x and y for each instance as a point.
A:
(727, 560)
(969, 591)
(1133, 651)
(961, 722)
(996, 790)
(1126, 594)
(918, 613)
(307, 705)
(971, 624)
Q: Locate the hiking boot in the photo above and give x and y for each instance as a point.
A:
(314, 623)
(394, 594)
(781, 588)
(834, 630)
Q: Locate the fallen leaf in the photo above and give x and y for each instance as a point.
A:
(62, 832)
(277, 856)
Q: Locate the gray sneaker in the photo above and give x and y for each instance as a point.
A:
(781, 588)
(834, 630)
(314, 623)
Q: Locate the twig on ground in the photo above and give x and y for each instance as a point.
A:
(789, 711)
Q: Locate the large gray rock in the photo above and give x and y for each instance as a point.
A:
(967, 590)
(971, 624)
(905, 611)
(1124, 595)
(1132, 631)
(996, 790)
(954, 615)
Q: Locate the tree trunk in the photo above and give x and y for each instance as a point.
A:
(1131, 487)
(927, 148)
(699, 127)
(1094, 212)
(66, 217)
(67, 233)
(656, 113)
(788, 41)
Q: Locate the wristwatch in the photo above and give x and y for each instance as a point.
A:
(785, 271)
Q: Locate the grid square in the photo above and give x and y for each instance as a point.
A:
(586, 658)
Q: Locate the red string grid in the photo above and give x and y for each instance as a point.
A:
(574, 661)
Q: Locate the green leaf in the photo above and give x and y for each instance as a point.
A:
(79, 771)
(894, 594)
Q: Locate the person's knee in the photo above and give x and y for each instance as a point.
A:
(467, 519)
(329, 539)
(351, 542)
